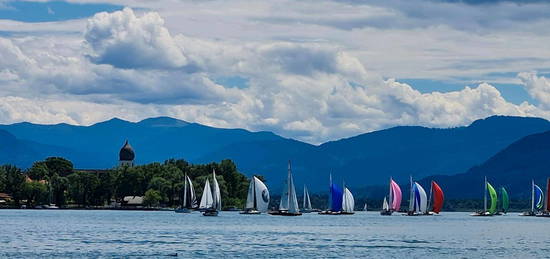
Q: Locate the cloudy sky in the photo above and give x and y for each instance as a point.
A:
(313, 70)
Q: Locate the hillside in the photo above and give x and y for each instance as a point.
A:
(366, 159)
(513, 168)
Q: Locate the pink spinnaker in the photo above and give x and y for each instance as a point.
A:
(396, 193)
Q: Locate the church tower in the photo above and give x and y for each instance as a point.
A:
(126, 155)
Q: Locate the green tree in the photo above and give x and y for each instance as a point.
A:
(14, 181)
(2, 179)
(59, 165)
(38, 171)
(59, 186)
(152, 198)
(35, 193)
(82, 187)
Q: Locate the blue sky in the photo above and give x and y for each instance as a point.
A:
(310, 70)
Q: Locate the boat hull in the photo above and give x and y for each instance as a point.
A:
(210, 213)
(284, 213)
(528, 214)
(386, 212)
(481, 214)
(250, 212)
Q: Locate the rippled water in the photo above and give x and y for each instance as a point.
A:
(65, 233)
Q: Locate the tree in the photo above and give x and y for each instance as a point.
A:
(59, 165)
(82, 187)
(2, 179)
(14, 181)
(161, 185)
(152, 198)
(35, 193)
(58, 187)
(38, 171)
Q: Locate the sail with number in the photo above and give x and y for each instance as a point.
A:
(216, 195)
(494, 199)
(505, 199)
(307, 200)
(395, 195)
(420, 199)
(348, 203)
(206, 199)
(437, 197)
(258, 195)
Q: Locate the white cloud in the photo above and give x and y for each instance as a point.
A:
(537, 87)
(124, 40)
(325, 87)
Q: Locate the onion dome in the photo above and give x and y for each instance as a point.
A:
(127, 152)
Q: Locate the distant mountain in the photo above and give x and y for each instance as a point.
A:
(24, 152)
(514, 168)
(362, 160)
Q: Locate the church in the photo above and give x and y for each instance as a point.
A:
(126, 155)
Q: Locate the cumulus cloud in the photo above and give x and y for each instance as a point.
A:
(311, 90)
(125, 40)
(537, 87)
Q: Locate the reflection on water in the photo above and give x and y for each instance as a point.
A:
(41, 233)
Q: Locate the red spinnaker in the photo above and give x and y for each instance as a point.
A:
(438, 197)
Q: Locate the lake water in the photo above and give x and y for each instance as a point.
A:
(66, 233)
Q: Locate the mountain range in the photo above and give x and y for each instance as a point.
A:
(363, 160)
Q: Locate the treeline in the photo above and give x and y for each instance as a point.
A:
(55, 181)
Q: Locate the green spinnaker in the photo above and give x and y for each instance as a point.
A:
(505, 199)
(494, 199)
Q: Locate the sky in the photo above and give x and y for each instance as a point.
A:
(313, 70)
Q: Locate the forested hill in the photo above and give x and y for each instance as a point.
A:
(514, 168)
(362, 160)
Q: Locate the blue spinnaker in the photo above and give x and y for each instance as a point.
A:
(336, 194)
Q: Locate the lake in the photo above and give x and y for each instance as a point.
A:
(81, 233)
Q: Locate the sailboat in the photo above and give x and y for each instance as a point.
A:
(306, 207)
(216, 198)
(365, 206)
(546, 212)
(189, 201)
(505, 202)
(206, 200)
(437, 195)
(493, 209)
(394, 202)
(334, 199)
(418, 202)
(289, 203)
(348, 203)
(257, 199)
(536, 200)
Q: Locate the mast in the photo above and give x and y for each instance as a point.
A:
(288, 186)
(330, 192)
(485, 196)
(533, 196)
(411, 195)
(304, 205)
(254, 206)
(390, 197)
(430, 197)
(184, 204)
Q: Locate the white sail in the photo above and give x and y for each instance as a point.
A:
(348, 203)
(250, 196)
(307, 200)
(283, 205)
(206, 199)
(262, 195)
(385, 205)
(216, 193)
(292, 200)
(420, 199)
(191, 196)
(365, 207)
